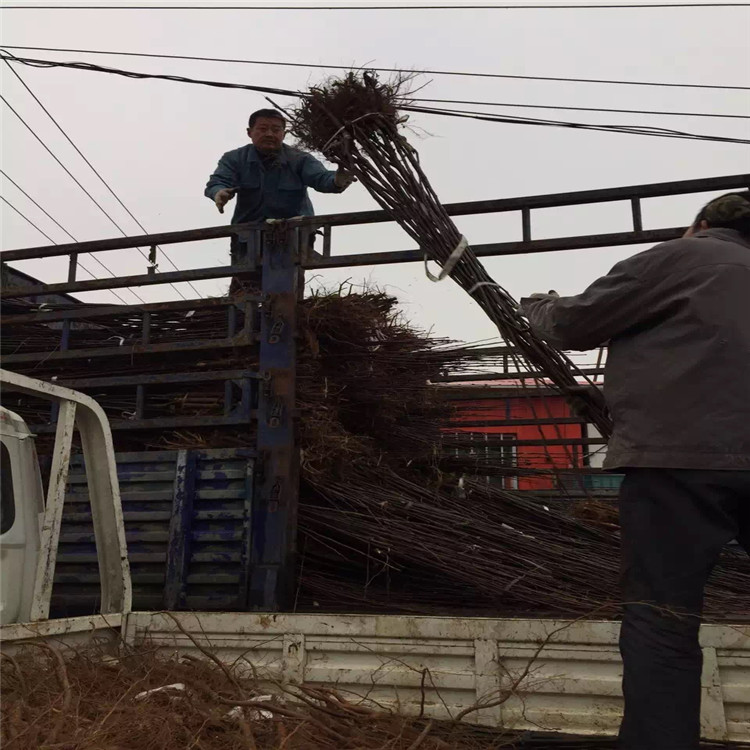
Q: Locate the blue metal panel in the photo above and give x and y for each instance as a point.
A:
(220, 531)
(186, 521)
(205, 529)
(277, 484)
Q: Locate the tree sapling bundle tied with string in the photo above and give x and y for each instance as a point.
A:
(355, 122)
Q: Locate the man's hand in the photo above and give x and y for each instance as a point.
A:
(223, 197)
(551, 294)
(343, 178)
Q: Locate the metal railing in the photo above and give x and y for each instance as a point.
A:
(310, 259)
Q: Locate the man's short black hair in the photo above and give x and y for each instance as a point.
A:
(728, 211)
(272, 113)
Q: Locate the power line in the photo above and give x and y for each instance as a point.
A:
(583, 109)
(27, 219)
(632, 130)
(620, 6)
(72, 176)
(68, 172)
(21, 190)
(383, 70)
(34, 63)
(55, 221)
(95, 171)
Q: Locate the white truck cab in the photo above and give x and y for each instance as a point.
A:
(21, 510)
(30, 525)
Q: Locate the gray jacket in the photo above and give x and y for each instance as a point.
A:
(677, 319)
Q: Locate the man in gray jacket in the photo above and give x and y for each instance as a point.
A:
(677, 322)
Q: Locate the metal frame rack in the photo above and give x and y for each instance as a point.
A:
(262, 396)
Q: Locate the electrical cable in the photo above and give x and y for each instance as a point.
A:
(617, 6)
(581, 109)
(23, 216)
(383, 70)
(94, 170)
(26, 218)
(55, 221)
(70, 174)
(632, 130)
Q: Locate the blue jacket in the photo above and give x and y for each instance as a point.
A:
(276, 192)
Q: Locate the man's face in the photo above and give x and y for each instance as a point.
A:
(267, 133)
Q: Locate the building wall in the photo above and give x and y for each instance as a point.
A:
(469, 415)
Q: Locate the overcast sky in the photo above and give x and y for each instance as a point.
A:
(157, 142)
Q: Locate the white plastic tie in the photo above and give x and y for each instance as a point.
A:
(450, 264)
(480, 284)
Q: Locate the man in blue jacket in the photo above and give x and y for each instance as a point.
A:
(270, 178)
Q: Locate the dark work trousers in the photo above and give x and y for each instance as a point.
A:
(674, 524)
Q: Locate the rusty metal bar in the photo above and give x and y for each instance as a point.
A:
(231, 330)
(469, 424)
(556, 441)
(582, 242)
(508, 375)
(121, 351)
(72, 271)
(81, 312)
(115, 381)
(163, 423)
(118, 282)
(140, 389)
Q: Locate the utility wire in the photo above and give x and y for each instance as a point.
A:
(95, 171)
(72, 176)
(52, 218)
(620, 6)
(581, 109)
(633, 130)
(55, 221)
(384, 70)
(27, 219)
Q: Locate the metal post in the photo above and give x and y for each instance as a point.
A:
(526, 224)
(635, 204)
(65, 336)
(140, 390)
(180, 527)
(231, 331)
(274, 518)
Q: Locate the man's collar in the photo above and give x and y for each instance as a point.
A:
(725, 234)
(281, 154)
